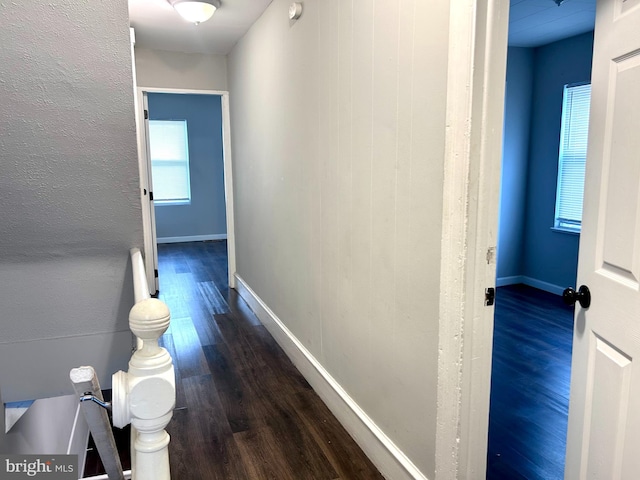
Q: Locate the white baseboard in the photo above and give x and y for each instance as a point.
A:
(532, 282)
(192, 238)
(385, 455)
(513, 280)
(546, 286)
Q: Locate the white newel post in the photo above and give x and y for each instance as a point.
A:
(145, 395)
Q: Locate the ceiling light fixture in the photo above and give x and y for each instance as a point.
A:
(195, 11)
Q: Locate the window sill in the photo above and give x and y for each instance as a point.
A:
(168, 203)
(565, 230)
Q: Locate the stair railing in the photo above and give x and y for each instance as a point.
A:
(146, 395)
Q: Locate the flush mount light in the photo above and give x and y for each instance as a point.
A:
(195, 11)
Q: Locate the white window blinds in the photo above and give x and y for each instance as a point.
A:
(169, 150)
(573, 156)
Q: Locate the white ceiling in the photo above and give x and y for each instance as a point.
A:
(157, 25)
(537, 22)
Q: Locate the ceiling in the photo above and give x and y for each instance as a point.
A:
(537, 22)
(157, 25)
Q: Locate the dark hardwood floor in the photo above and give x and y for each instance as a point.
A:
(243, 410)
(530, 385)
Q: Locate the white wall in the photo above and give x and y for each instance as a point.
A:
(338, 130)
(162, 69)
(69, 191)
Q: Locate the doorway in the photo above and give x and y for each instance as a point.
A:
(536, 260)
(194, 197)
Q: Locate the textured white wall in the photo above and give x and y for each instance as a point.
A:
(69, 191)
(196, 71)
(338, 129)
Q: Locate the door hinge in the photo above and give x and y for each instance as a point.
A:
(489, 296)
(155, 273)
(146, 114)
(150, 196)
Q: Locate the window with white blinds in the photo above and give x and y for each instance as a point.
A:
(573, 156)
(169, 151)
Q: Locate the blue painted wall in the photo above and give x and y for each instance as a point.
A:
(206, 215)
(528, 250)
(551, 256)
(515, 156)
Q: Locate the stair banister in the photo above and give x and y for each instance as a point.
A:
(145, 395)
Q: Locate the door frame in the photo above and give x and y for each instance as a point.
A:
(478, 40)
(150, 238)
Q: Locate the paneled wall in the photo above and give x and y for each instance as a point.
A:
(338, 129)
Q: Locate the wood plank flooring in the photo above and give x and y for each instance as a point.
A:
(530, 385)
(243, 410)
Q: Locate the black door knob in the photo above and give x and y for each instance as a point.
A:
(582, 296)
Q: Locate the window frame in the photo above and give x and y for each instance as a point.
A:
(568, 225)
(178, 162)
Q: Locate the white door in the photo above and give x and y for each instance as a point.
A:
(603, 439)
(151, 244)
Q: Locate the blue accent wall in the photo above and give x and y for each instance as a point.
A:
(529, 251)
(515, 156)
(550, 256)
(206, 215)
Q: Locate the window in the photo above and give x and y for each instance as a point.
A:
(573, 156)
(169, 150)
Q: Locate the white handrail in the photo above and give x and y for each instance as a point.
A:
(140, 284)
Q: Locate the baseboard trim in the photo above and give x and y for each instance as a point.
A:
(385, 455)
(513, 280)
(532, 282)
(192, 238)
(546, 286)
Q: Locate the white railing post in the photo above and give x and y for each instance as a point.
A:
(146, 395)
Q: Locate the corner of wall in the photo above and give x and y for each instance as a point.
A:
(515, 162)
(551, 257)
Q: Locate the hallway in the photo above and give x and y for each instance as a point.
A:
(243, 411)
